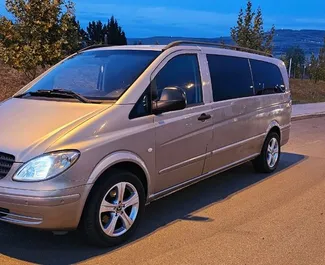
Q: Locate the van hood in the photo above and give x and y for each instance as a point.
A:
(28, 127)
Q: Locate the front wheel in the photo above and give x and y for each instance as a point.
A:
(114, 209)
(268, 160)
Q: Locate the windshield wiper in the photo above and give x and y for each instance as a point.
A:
(69, 93)
(57, 92)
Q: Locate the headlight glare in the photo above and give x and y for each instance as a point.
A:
(46, 166)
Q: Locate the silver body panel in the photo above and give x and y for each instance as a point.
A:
(172, 149)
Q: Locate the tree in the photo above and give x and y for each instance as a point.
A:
(116, 36)
(75, 35)
(321, 62)
(96, 32)
(84, 38)
(249, 31)
(317, 65)
(313, 69)
(222, 42)
(37, 34)
(298, 61)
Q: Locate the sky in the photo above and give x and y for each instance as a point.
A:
(196, 18)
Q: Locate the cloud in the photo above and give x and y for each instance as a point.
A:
(141, 20)
(315, 21)
(146, 21)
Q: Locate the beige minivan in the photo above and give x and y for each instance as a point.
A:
(108, 130)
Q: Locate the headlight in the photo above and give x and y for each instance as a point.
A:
(46, 166)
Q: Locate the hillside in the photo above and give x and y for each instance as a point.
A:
(309, 40)
(303, 91)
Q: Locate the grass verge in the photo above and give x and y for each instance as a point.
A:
(306, 91)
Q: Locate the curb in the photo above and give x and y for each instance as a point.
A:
(307, 116)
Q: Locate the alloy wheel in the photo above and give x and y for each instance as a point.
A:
(273, 152)
(119, 209)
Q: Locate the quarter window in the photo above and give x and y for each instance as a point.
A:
(143, 107)
(182, 72)
(267, 78)
(230, 76)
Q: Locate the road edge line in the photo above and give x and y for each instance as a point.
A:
(307, 116)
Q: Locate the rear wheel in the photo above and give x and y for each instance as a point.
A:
(114, 209)
(268, 160)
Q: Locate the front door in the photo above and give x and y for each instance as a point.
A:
(182, 136)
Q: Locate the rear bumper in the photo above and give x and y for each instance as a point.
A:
(285, 134)
(59, 211)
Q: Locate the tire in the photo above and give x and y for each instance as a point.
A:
(104, 225)
(262, 162)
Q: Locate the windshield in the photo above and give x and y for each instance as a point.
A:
(97, 74)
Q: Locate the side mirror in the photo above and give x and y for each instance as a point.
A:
(172, 98)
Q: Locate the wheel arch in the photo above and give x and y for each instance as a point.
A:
(274, 126)
(122, 160)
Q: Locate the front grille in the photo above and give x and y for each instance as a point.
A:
(6, 162)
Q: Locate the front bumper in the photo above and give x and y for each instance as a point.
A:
(57, 210)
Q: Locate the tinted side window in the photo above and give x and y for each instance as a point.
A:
(231, 77)
(267, 78)
(183, 72)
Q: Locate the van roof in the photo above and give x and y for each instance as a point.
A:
(177, 44)
(125, 47)
(208, 47)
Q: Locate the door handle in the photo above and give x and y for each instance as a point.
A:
(204, 117)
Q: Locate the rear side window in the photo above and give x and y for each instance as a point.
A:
(267, 78)
(231, 77)
(182, 71)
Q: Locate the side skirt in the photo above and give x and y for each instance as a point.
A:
(195, 180)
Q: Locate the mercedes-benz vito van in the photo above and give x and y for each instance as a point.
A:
(108, 130)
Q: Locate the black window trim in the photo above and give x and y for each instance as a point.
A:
(195, 53)
(252, 77)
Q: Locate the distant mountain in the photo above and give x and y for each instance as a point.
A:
(309, 40)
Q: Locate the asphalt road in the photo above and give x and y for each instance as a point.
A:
(238, 217)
